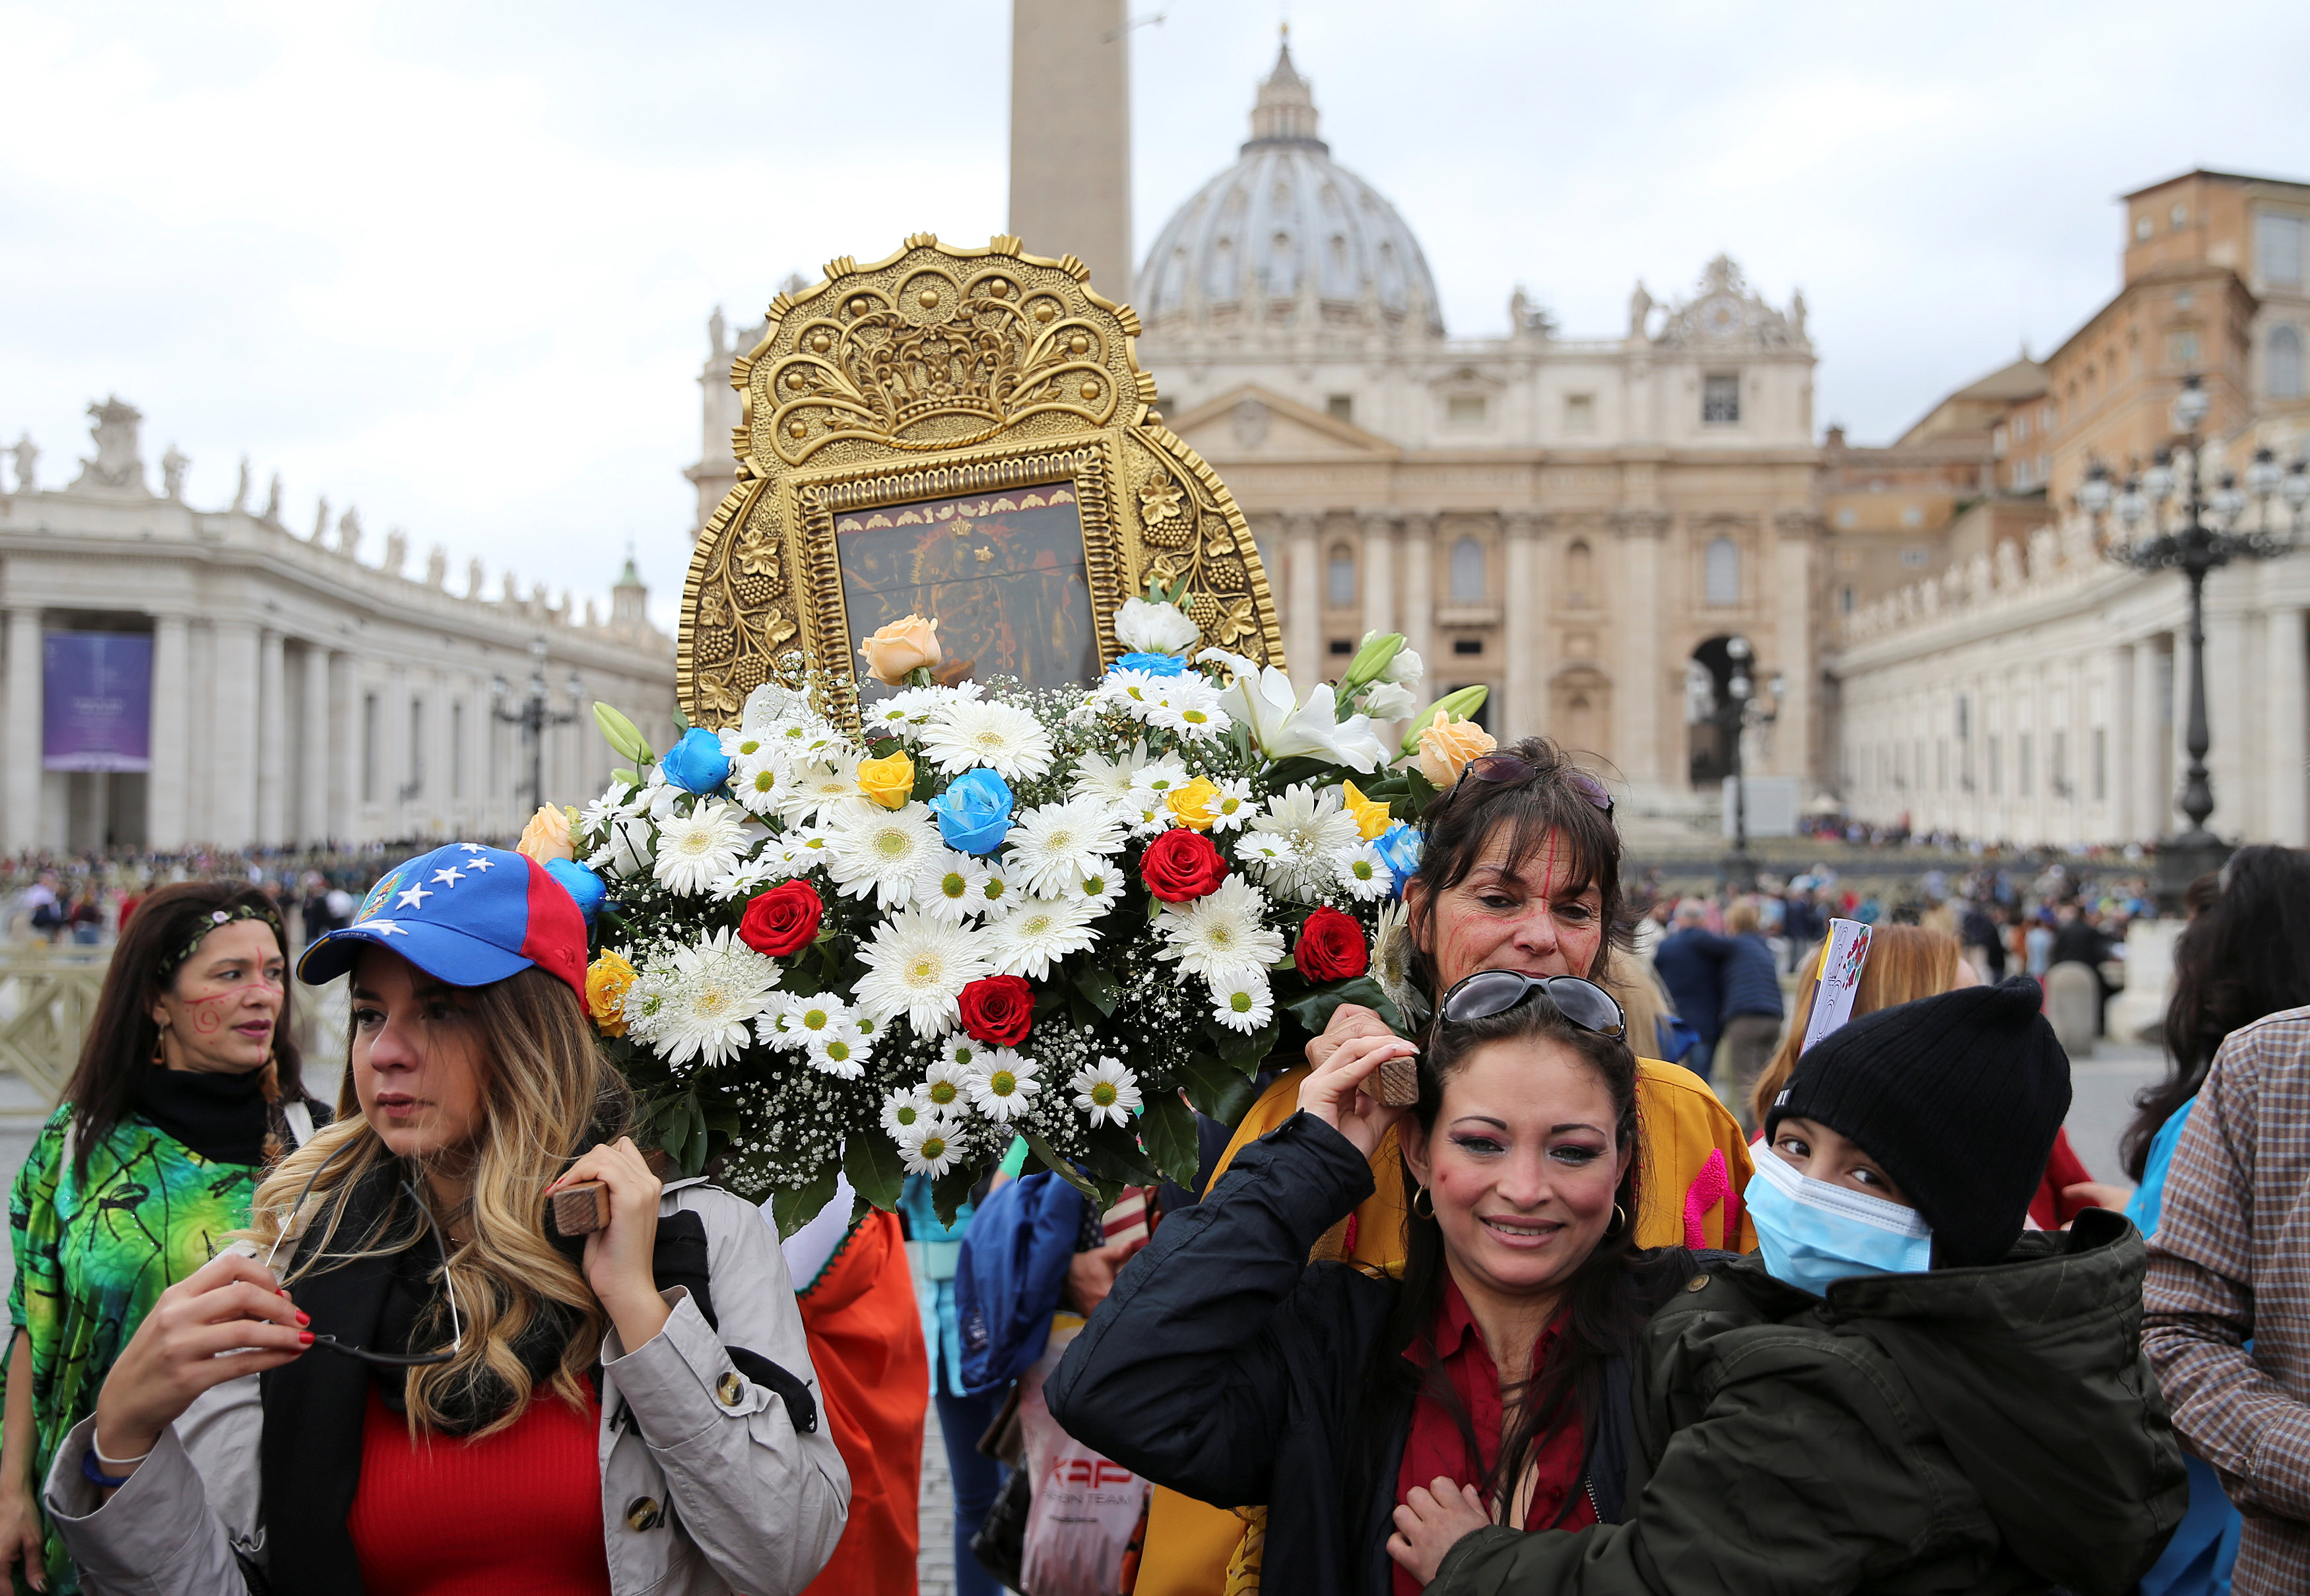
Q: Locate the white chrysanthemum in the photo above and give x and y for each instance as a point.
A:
(841, 1052)
(1222, 935)
(902, 1111)
(930, 1148)
(1108, 781)
(1391, 963)
(1243, 1002)
(1365, 876)
(882, 851)
(1190, 707)
(759, 781)
(953, 888)
(1004, 737)
(716, 990)
(1234, 806)
(917, 966)
(1107, 1092)
(1041, 930)
(1298, 844)
(695, 848)
(1004, 1086)
(819, 786)
(1053, 845)
(946, 1085)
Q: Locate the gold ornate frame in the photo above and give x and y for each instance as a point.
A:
(934, 372)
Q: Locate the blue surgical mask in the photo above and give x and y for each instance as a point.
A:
(1811, 1233)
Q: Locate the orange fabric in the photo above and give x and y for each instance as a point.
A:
(1682, 1122)
(873, 1376)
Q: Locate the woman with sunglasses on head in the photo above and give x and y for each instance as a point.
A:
(437, 1392)
(188, 1083)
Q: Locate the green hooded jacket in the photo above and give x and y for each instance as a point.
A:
(1978, 1430)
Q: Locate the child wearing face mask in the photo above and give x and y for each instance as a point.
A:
(1901, 1390)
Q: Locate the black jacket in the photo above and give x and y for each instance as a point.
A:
(1227, 1367)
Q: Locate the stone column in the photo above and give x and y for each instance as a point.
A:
(1793, 751)
(272, 739)
(1643, 675)
(2119, 772)
(232, 765)
(311, 807)
(20, 760)
(1379, 571)
(169, 789)
(1416, 617)
(345, 731)
(2153, 795)
(2286, 759)
(1302, 608)
(1521, 714)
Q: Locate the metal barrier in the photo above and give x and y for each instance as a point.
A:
(47, 998)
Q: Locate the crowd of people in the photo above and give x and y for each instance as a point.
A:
(87, 899)
(1637, 1293)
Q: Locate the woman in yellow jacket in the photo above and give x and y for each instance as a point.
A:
(1521, 870)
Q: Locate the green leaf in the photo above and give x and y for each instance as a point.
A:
(1315, 1009)
(951, 1191)
(1299, 768)
(875, 1167)
(681, 723)
(1246, 1054)
(1115, 1156)
(798, 1207)
(1219, 1091)
(1166, 1130)
(1421, 790)
(1047, 999)
(624, 738)
(625, 776)
(1058, 1166)
(1098, 984)
(673, 1129)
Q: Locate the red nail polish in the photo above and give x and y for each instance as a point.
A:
(303, 1317)
(304, 1339)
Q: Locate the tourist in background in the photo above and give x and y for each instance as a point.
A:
(1691, 960)
(1751, 1019)
(189, 1082)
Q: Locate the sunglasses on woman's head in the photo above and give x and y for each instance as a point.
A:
(1510, 770)
(1487, 992)
(391, 1360)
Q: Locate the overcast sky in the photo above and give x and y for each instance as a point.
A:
(452, 262)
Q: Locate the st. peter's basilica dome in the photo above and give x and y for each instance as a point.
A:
(1288, 224)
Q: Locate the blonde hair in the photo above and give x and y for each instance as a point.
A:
(543, 1086)
(1742, 917)
(1905, 963)
(1642, 998)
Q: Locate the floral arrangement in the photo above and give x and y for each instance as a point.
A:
(993, 912)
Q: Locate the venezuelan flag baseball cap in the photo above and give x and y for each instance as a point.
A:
(463, 913)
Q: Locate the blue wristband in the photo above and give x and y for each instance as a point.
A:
(97, 1477)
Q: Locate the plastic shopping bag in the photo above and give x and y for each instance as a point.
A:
(1087, 1508)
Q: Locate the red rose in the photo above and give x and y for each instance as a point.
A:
(1331, 948)
(782, 920)
(1182, 865)
(998, 1009)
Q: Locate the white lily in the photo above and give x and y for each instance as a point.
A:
(1262, 697)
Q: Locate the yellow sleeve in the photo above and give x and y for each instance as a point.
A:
(1682, 1122)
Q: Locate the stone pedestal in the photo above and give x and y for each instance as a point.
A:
(2073, 1005)
(2138, 1013)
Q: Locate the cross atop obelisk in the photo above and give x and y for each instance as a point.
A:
(1071, 135)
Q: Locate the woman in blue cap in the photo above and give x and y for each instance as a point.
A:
(638, 1405)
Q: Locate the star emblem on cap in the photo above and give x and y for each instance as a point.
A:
(449, 875)
(413, 897)
(473, 848)
(387, 928)
(478, 862)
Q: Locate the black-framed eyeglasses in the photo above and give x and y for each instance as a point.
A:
(391, 1360)
(1487, 992)
(1509, 770)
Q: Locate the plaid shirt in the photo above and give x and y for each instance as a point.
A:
(2231, 1263)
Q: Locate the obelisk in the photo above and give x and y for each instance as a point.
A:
(1071, 135)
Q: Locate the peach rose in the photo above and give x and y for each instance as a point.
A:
(888, 781)
(546, 837)
(1446, 747)
(901, 646)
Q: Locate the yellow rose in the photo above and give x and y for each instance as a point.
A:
(1371, 816)
(1445, 746)
(901, 646)
(546, 837)
(607, 980)
(1191, 805)
(888, 781)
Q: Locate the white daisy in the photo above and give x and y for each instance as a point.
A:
(1107, 1092)
(1190, 707)
(1391, 963)
(1100, 887)
(1243, 1002)
(695, 848)
(842, 1054)
(904, 1110)
(882, 851)
(808, 1020)
(930, 1148)
(946, 1087)
(1004, 1086)
(1053, 845)
(1137, 693)
(717, 989)
(1365, 876)
(1039, 932)
(626, 851)
(917, 966)
(1155, 781)
(903, 714)
(952, 887)
(759, 781)
(1097, 777)
(1221, 935)
(595, 817)
(1004, 738)
(1298, 844)
(1234, 805)
(819, 786)
(804, 737)
(999, 893)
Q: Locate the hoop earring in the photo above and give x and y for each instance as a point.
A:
(160, 1045)
(1429, 1211)
(1620, 1223)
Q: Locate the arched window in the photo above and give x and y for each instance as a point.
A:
(1468, 572)
(1579, 574)
(1340, 577)
(2284, 372)
(1721, 578)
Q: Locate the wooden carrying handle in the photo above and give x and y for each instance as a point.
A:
(1396, 1082)
(581, 1209)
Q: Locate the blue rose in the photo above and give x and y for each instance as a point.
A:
(1154, 665)
(581, 883)
(1399, 848)
(974, 812)
(697, 763)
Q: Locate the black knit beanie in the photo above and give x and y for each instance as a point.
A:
(1958, 1097)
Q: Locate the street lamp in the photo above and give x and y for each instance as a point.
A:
(2168, 520)
(1739, 711)
(534, 713)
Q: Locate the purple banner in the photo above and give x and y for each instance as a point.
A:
(97, 705)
